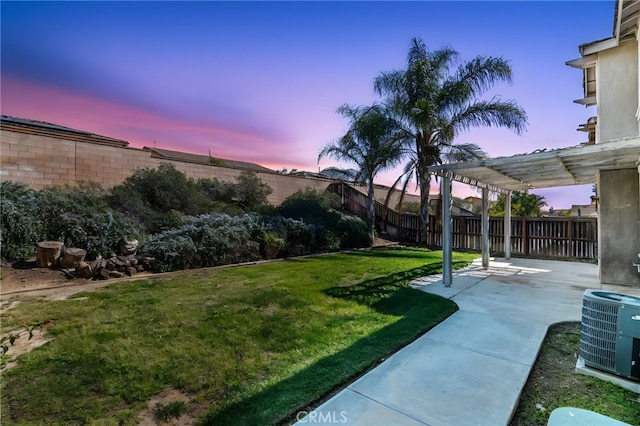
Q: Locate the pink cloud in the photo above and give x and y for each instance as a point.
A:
(138, 127)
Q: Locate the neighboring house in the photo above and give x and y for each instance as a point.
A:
(611, 82)
(584, 210)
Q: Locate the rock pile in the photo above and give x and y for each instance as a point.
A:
(73, 264)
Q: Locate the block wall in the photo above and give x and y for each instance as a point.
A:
(42, 161)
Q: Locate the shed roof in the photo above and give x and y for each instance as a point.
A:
(576, 165)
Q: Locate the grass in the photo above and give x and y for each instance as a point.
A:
(554, 383)
(249, 345)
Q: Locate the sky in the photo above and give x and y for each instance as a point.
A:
(261, 81)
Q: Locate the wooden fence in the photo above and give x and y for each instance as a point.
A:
(563, 237)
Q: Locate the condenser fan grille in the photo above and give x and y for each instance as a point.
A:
(599, 333)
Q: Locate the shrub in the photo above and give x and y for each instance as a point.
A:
(353, 232)
(158, 197)
(299, 237)
(80, 217)
(250, 192)
(215, 190)
(207, 240)
(20, 227)
(77, 216)
(272, 246)
(334, 230)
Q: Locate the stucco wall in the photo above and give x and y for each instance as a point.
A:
(619, 226)
(41, 161)
(617, 93)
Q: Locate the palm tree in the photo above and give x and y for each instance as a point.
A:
(437, 104)
(374, 142)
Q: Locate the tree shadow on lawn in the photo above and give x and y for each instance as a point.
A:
(284, 401)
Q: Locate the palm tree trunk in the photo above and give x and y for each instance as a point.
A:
(371, 212)
(425, 179)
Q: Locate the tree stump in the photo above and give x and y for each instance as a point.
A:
(72, 258)
(48, 253)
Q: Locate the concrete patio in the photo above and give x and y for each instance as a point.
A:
(471, 368)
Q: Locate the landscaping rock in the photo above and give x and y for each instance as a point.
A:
(128, 247)
(84, 270)
(115, 274)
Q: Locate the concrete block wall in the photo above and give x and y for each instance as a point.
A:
(42, 161)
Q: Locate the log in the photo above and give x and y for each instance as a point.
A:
(48, 253)
(72, 258)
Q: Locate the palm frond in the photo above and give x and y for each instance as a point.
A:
(491, 113)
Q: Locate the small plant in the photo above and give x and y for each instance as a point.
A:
(172, 410)
(5, 341)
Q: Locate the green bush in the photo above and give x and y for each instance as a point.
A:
(80, 217)
(207, 240)
(77, 216)
(20, 227)
(334, 230)
(215, 190)
(299, 237)
(159, 197)
(272, 246)
(251, 193)
(353, 232)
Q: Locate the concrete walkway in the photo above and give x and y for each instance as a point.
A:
(471, 368)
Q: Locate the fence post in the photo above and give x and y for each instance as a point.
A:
(572, 251)
(525, 242)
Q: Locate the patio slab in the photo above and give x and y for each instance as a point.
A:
(471, 368)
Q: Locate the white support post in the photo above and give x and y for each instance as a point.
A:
(447, 228)
(507, 226)
(485, 228)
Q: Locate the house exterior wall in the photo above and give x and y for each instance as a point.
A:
(41, 161)
(617, 92)
(619, 226)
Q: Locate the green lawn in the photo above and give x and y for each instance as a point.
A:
(249, 345)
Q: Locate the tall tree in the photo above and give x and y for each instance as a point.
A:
(523, 204)
(437, 102)
(374, 142)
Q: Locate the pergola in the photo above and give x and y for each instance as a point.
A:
(577, 165)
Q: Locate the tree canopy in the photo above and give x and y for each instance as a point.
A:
(523, 204)
(437, 97)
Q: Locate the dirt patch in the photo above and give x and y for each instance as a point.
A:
(148, 416)
(26, 278)
(23, 344)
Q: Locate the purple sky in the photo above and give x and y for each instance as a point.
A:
(260, 81)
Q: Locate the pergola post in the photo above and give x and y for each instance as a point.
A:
(447, 228)
(485, 228)
(507, 225)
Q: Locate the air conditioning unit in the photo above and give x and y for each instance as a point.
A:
(610, 333)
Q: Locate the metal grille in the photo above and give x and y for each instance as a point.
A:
(599, 333)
